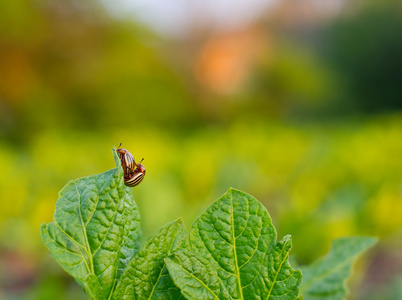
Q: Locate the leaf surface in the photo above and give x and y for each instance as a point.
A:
(146, 276)
(235, 238)
(95, 229)
(196, 277)
(92, 288)
(325, 278)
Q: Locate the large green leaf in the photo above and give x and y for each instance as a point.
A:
(234, 241)
(95, 230)
(146, 276)
(325, 278)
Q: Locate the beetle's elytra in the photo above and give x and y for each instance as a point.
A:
(127, 160)
(134, 172)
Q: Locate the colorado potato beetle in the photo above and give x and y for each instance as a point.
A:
(127, 160)
(136, 176)
(133, 172)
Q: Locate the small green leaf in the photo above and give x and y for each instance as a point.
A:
(325, 278)
(95, 229)
(146, 276)
(236, 237)
(196, 276)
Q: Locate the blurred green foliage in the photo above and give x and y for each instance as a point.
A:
(74, 81)
(365, 51)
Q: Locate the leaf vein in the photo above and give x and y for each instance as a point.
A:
(323, 275)
(251, 256)
(221, 237)
(111, 223)
(164, 264)
(206, 286)
(261, 265)
(248, 218)
(121, 245)
(70, 237)
(91, 263)
(276, 275)
(234, 250)
(213, 258)
(69, 251)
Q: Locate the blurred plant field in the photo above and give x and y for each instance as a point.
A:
(319, 183)
(300, 108)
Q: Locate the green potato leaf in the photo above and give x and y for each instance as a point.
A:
(231, 251)
(234, 254)
(146, 276)
(325, 278)
(95, 230)
(92, 288)
(196, 277)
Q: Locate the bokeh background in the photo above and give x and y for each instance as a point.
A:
(298, 103)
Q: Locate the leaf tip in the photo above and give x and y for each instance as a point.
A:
(287, 242)
(364, 242)
(232, 189)
(44, 233)
(116, 157)
(235, 191)
(43, 227)
(179, 220)
(371, 241)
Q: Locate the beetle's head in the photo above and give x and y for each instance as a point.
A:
(140, 167)
(121, 151)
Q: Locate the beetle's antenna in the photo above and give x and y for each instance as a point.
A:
(119, 145)
(141, 160)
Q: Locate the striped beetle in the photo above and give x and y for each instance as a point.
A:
(127, 160)
(136, 176)
(133, 173)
